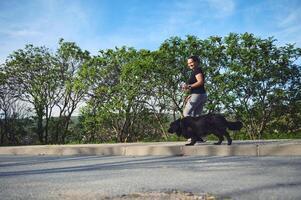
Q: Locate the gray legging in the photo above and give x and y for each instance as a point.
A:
(194, 105)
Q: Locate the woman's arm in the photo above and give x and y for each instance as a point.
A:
(200, 81)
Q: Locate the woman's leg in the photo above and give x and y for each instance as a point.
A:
(194, 105)
(187, 106)
(202, 99)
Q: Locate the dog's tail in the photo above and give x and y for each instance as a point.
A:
(235, 126)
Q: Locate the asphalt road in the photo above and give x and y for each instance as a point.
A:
(97, 177)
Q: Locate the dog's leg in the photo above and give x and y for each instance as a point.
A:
(220, 140)
(192, 142)
(228, 138)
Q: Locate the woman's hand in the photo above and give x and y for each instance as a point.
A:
(186, 87)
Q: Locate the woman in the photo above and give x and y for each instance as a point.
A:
(198, 97)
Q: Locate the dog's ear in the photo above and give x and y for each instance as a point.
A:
(173, 127)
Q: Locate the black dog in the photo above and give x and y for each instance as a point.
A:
(198, 127)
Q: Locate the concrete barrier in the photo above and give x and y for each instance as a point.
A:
(223, 150)
(280, 150)
(238, 148)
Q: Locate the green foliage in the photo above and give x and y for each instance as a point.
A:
(119, 108)
(259, 77)
(72, 62)
(32, 75)
(131, 95)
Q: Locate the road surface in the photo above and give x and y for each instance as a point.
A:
(98, 177)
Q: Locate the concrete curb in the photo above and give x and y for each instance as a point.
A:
(238, 148)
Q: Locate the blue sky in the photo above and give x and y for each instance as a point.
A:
(102, 24)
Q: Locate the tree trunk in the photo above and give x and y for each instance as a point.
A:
(46, 132)
(164, 134)
(66, 126)
(2, 128)
(40, 130)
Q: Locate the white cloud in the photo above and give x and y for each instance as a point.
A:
(291, 19)
(52, 20)
(179, 19)
(289, 27)
(190, 17)
(222, 8)
(20, 33)
(73, 22)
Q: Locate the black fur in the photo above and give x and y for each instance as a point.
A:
(198, 127)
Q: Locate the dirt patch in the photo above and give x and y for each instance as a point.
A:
(177, 195)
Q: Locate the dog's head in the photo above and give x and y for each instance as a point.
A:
(175, 127)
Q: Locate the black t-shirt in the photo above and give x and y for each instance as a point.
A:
(192, 80)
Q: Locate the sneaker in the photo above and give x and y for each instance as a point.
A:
(199, 141)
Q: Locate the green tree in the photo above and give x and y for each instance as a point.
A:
(259, 77)
(13, 114)
(73, 86)
(131, 95)
(32, 73)
(122, 80)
